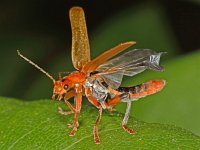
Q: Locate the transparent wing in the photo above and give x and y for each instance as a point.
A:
(129, 64)
(92, 65)
(80, 42)
(113, 79)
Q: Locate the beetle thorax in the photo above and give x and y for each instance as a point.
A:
(76, 77)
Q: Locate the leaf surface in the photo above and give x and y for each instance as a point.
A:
(37, 125)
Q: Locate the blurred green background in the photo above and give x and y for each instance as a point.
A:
(41, 30)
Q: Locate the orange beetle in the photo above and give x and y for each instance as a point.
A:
(100, 79)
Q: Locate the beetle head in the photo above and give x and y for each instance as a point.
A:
(61, 87)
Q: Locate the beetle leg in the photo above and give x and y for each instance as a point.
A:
(95, 130)
(69, 95)
(112, 102)
(63, 112)
(91, 99)
(95, 102)
(76, 114)
(118, 99)
(125, 120)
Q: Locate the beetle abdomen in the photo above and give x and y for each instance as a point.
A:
(142, 90)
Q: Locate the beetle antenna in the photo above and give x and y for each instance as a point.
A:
(35, 65)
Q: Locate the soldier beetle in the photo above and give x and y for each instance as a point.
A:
(100, 79)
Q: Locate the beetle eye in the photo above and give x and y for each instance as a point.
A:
(65, 86)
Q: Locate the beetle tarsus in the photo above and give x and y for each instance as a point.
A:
(97, 140)
(127, 129)
(62, 112)
(73, 132)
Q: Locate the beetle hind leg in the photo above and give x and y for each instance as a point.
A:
(127, 129)
(125, 120)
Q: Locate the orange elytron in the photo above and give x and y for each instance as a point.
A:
(100, 79)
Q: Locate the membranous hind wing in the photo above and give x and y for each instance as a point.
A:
(92, 65)
(129, 64)
(80, 42)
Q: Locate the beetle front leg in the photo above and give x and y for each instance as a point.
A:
(76, 114)
(69, 95)
(63, 112)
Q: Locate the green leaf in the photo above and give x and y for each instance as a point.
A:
(37, 125)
